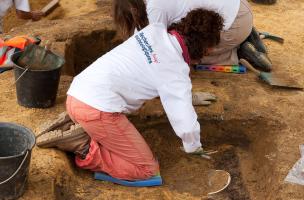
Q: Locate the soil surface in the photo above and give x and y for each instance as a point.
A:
(255, 128)
(66, 9)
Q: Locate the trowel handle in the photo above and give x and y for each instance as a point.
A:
(249, 66)
(264, 35)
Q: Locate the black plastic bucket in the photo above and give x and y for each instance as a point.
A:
(16, 143)
(37, 88)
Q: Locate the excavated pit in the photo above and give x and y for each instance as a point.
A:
(243, 145)
(83, 49)
(241, 152)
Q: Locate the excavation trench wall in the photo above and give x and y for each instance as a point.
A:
(83, 49)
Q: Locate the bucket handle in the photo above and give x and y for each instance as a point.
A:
(25, 69)
(21, 75)
(18, 169)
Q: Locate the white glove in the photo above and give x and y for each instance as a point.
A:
(202, 98)
(200, 152)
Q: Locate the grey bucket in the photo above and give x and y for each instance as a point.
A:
(16, 143)
(37, 74)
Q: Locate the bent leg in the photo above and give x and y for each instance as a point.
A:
(116, 148)
(225, 53)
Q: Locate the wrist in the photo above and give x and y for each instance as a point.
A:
(192, 147)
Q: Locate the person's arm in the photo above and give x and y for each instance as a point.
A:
(177, 102)
(23, 11)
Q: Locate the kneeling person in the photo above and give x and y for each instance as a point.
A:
(152, 63)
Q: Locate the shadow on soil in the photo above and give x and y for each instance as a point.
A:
(185, 173)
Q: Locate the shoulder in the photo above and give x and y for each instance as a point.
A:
(158, 25)
(154, 33)
(155, 27)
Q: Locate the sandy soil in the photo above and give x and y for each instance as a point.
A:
(255, 128)
(66, 9)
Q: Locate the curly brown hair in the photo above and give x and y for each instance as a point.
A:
(129, 15)
(201, 30)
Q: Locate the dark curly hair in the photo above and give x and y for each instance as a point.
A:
(129, 15)
(201, 30)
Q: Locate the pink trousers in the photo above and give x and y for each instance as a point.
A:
(116, 147)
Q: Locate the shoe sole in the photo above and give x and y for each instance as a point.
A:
(49, 126)
(50, 139)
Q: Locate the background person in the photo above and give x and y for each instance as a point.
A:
(238, 23)
(22, 10)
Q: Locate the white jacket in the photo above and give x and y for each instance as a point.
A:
(170, 11)
(149, 64)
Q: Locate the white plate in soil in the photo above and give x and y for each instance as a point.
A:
(218, 180)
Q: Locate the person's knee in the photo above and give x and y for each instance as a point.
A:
(152, 169)
(146, 171)
(137, 172)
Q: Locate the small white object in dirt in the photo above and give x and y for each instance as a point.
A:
(296, 174)
(218, 180)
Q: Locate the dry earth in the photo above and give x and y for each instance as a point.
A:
(256, 128)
